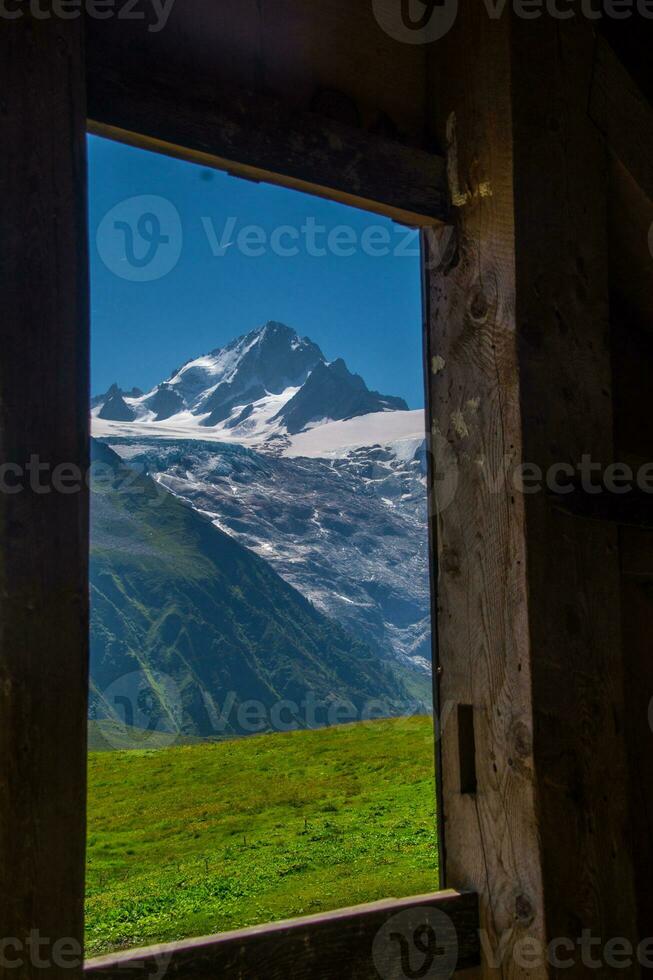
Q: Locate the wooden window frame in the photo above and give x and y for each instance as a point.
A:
(256, 137)
(505, 566)
(46, 676)
(315, 946)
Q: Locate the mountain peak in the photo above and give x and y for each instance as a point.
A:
(275, 334)
(333, 392)
(115, 408)
(265, 381)
(278, 328)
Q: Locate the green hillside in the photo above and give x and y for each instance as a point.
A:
(107, 735)
(205, 621)
(198, 839)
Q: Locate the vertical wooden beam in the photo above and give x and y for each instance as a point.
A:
(43, 532)
(562, 306)
(490, 836)
(528, 599)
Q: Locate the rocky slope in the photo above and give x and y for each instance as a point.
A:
(206, 625)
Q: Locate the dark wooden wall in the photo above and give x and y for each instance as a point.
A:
(530, 597)
(542, 615)
(579, 706)
(331, 56)
(491, 835)
(633, 367)
(43, 535)
(631, 321)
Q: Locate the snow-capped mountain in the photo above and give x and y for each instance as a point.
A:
(302, 463)
(260, 388)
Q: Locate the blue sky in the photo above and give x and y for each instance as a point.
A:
(224, 280)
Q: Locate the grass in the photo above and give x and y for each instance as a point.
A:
(108, 736)
(198, 839)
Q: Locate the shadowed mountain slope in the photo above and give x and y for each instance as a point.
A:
(205, 624)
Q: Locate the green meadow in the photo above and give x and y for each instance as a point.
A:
(201, 838)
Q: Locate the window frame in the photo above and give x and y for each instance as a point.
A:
(252, 141)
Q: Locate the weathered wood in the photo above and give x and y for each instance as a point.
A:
(565, 380)
(258, 137)
(318, 947)
(528, 598)
(490, 838)
(43, 534)
(623, 115)
(287, 48)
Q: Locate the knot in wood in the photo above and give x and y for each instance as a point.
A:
(524, 910)
(520, 738)
(478, 306)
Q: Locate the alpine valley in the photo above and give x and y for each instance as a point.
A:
(259, 531)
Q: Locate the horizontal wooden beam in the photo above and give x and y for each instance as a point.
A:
(260, 138)
(623, 115)
(362, 943)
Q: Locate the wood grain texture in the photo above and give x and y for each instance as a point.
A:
(623, 115)
(257, 136)
(490, 838)
(317, 947)
(286, 48)
(528, 598)
(562, 308)
(43, 536)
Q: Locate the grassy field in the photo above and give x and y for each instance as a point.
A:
(199, 839)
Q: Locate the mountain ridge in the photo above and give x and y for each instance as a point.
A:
(270, 383)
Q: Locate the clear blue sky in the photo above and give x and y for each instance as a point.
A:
(363, 307)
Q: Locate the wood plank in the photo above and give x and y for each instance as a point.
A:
(490, 837)
(623, 115)
(366, 941)
(43, 535)
(529, 614)
(258, 137)
(287, 48)
(562, 313)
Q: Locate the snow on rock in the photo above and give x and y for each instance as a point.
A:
(258, 389)
(303, 464)
(350, 532)
(332, 439)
